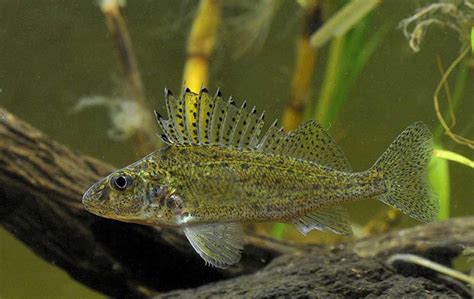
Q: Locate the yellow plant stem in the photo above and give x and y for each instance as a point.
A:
(303, 71)
(330, 79)
(201, 42)
(439, 177)
(472, 40)
(452, 156)
(123, 44)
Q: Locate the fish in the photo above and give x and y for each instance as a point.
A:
(220, 169)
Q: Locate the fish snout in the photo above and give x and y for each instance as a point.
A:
(94, 195)
(89, 197)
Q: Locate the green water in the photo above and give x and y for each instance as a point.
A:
(54, 52)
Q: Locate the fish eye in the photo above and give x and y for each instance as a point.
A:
(121, 182)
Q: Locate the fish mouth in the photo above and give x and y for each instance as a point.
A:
(91, 204)
(86, 198)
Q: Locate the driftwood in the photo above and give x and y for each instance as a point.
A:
(41, 185)
(356, 270)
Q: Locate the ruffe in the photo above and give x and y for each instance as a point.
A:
(218, 171)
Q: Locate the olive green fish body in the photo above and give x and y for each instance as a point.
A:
(219, 184)
(219, 171)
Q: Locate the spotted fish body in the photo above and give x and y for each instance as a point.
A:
(220, 170)
(228, 185)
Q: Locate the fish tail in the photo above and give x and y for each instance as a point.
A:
(404, 169)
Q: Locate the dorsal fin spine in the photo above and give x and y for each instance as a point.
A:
(191, 105)
(254, 136)
(204, 118)
(166, 125)
(165, 138)
(217, 118)
(164, 128)
(235, 135)
(185, 104)
(181, 118)
(224, 130)
(244, 133)
(171, 123)
(196, 126)
(262, 144)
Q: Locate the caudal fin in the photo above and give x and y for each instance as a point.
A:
(404, 167)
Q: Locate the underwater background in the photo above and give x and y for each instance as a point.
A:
(54, 53)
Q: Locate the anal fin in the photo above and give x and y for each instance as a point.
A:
(219, 244)
(333, 218)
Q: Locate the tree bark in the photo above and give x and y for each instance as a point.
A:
(41, 186)
(356, 270)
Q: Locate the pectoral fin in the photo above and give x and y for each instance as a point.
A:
(334, 219)
(219, 244)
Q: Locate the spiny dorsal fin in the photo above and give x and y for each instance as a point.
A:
(176, 115)
(196, 119)
(200, 119)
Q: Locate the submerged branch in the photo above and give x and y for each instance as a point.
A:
(338, 272)
(304, 68)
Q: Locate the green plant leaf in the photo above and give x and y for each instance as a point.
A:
(438, 174)
(472, 40)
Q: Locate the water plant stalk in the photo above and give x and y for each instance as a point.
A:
(344, 20)
(201, 43)
(123, 44)
(303, 72)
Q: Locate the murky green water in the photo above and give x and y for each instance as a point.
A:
(54, 52)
